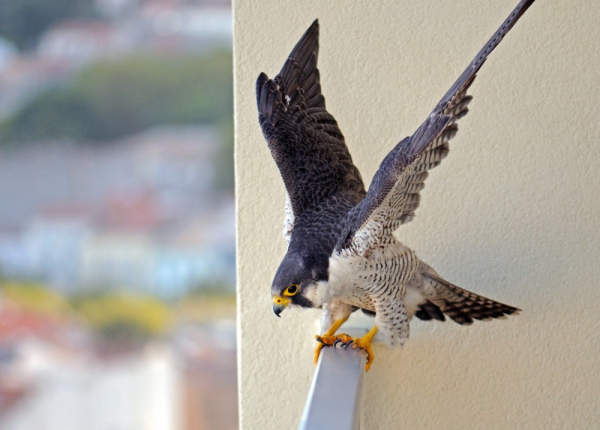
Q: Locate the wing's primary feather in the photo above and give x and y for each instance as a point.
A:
(303, 137)
(454, 103)
(386, 206)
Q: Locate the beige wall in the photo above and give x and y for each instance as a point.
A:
(512, 213)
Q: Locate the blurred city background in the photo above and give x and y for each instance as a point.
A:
(117, 270)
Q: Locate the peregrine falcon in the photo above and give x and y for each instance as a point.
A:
(342, 254)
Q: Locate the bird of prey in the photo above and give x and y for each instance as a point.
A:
(342, 254)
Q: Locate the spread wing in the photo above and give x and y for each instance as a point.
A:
(304, 139)
(393, 195)
(378, 215)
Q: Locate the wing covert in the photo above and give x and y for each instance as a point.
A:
(378, 214)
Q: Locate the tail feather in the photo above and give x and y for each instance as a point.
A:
(428, 311)
(458, 304)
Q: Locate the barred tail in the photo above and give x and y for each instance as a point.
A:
(458, 304)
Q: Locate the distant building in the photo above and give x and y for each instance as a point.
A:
(209, 237)
(47, 386)
(118, 260)
(14, 256)
(116, 9)
(179, 270)
(29, 343)
(167, 259)
(82, 42)
(55, 240)
(189, 26)
(210, 383)
(153, 26)
(141, 215)
(24, 77)
(177, 162)
(8, 52)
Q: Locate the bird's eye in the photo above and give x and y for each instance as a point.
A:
(291, 290)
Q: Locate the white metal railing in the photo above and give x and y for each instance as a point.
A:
(335, 394)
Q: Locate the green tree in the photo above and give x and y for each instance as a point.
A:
(35, 297)
(125, 318)
(23, 21)
(225, 175)
(113, 99)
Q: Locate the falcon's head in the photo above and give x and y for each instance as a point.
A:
(297, 282)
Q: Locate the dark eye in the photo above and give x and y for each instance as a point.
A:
(291, 290)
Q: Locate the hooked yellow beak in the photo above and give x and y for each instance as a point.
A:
(279, 304)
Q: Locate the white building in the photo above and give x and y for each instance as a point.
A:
(83, 41)
(55, 240)
(139, 393)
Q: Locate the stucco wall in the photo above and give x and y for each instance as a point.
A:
(512, 213)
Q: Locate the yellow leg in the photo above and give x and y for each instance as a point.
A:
(365, 343)
(329, 337)
(335, 326)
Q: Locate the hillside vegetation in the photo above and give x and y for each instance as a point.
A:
(113, 99)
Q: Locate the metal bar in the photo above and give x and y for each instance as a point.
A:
(334, 398)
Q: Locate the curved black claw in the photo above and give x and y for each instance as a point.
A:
(337, 341)
(320, 340)
(347, 344)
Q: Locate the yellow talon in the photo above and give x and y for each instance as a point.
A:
(329, 338)
(365, 343)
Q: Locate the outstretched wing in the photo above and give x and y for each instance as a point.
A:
(454, 103)
(304, 139)
(378, 214)
(394, 195)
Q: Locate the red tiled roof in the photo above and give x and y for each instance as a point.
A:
(16, 322)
